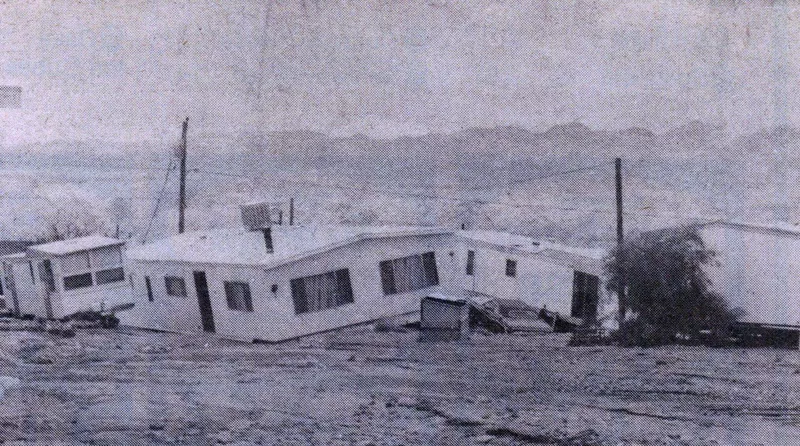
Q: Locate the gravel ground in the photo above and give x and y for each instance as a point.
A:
(361, 387)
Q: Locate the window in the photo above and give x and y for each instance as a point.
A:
(322, 291)
(238, 295)
(470, 262)
(176, 286)
(149, 288)
(75, 263)
(78, 281)
(109, 261)
(511, 268)
(75, 268)
(108, 256)
(110, 275)
(103, 265)
(409, 273)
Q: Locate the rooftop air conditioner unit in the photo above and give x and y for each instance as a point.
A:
(256, 216)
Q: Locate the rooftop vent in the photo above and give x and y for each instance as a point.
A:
(268, 240)
(256, 216)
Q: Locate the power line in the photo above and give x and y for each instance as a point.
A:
(398, 193)
(170, 167)
(542, 177)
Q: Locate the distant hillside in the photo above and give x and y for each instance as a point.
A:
(694, 137)
(509, 141)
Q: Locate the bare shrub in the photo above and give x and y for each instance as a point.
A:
(668, 291)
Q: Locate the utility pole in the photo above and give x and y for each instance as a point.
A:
(182, 192)
(620, 236)
(291, 211)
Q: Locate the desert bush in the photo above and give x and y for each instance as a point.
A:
(668, 293)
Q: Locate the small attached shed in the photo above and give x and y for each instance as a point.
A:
(57, 279)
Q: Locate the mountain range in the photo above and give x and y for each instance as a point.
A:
(695, 137)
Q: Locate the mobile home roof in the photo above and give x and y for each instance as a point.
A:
(243, 247)
(70, 246)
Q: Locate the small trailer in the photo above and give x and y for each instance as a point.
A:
(58, 279)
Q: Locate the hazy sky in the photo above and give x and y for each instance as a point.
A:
(132, 70)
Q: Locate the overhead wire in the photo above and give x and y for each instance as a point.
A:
(170, 168)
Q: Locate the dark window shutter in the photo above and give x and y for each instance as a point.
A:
(229, 296)
(149, 288)
(247, 299)
(387, 277)
(299, 296)
(577, 294)
(470, 263)
(345, 288)
(429, 264)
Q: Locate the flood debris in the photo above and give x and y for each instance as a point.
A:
(62, 327)
(588, 335)
(153, 349)
(451, 317)
(508, 316)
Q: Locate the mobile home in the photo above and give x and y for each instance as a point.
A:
(562, 279)
(757, 269)
(57, 279)
(281, 282)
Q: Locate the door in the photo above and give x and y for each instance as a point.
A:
(11, 288)
(204, 301)
(47, 285)
(585, 294)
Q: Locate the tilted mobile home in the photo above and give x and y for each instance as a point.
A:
(280, 282)
(57, 279)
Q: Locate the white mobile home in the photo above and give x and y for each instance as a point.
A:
(758, 269)
(547, 275)
(281, 282)
(57, 279)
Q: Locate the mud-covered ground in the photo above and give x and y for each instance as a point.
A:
(361, 387)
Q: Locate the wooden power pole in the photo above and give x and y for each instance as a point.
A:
(182, 191)
(620, 235)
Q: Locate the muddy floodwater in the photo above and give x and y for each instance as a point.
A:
(362, 387)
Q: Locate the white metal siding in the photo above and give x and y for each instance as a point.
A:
(758, 271)
(168, 313)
